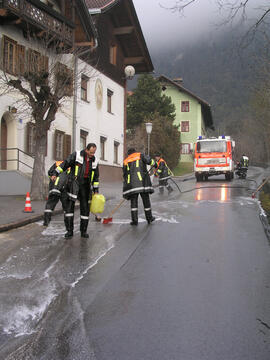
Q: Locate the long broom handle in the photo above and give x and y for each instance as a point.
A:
(265, 181)
(117, 207)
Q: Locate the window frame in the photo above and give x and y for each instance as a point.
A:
(185, 126)
(185, 106)
(59, 149)
(116, 152)
(9, 68)
(113, 54)
(84, 88)
(182, 146)
(102, 140)
(109, 101)
(83, 136)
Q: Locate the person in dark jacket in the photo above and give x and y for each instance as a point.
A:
(82, 180)
(163, 173)
(57, 191)
(136, 180)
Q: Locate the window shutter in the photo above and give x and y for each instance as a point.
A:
(67, 145)
(20, 59)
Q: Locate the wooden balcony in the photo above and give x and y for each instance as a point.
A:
(39, 16)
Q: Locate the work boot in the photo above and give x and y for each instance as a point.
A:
(69, 226)
(161, 190)
(83, 228)
(148, 216)
(47, 218)
(134, 217)
(170, 189)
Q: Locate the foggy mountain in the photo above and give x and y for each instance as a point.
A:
(215, 70)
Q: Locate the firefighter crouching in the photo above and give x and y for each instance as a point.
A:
(136, 180)
(57, 191)
(83, 178)
(163, 173)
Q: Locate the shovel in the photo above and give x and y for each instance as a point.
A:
(109, 219)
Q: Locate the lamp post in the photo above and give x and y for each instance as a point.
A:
(129, 74)
(148, 130)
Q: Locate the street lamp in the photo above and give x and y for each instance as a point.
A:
(129, 72)
(148, 130)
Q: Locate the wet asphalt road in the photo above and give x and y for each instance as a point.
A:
(192, 286)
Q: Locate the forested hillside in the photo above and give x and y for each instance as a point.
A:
(223, 74)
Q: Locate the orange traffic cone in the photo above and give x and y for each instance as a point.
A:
(28, 207)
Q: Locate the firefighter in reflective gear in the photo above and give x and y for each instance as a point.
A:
(57, 191)
(163, 173)
(244, 161)
(82, 180)
(137, 181)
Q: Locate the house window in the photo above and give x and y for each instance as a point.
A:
(62, 145)
(64, 76)
(185, 106)
(184, 126)
(59, 145)
(84, 85)
(109, 100)
(83, 139)
(37, 63)
(31, 139)
(185, 148)
(115, 152)
(102, 147)
(9, 55)
(113, 54)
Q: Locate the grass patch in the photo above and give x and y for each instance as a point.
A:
(265, 199)
(183, 168)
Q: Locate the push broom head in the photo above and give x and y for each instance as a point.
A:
(107, 220)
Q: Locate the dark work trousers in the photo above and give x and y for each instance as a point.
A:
(146, 204)
(162, 184)
(83, 196)
(53, 198)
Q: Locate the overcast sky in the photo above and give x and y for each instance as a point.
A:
(161, 27)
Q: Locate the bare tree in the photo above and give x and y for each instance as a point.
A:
(43, 81)
(233, 11)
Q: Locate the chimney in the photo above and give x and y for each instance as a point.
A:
(178, 80)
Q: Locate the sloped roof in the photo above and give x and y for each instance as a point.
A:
(133, 42)
(100, 4)
(206, 107)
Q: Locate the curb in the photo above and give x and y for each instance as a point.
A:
(20, 223)
(34, 218)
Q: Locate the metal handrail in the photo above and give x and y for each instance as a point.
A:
(18, 157)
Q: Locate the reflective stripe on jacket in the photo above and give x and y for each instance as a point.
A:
(76, 162)
(162, 170)
(135, 175)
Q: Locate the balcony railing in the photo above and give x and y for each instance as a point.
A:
(19, 159)
(38, 15)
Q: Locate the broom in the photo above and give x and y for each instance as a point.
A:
(254, 193)
(109, 219)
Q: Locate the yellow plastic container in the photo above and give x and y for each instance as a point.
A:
(97, 204)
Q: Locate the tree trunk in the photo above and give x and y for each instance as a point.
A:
(38, 185)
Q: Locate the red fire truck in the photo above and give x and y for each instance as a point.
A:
(214, 156)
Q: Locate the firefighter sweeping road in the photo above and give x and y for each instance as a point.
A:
(193, 285)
